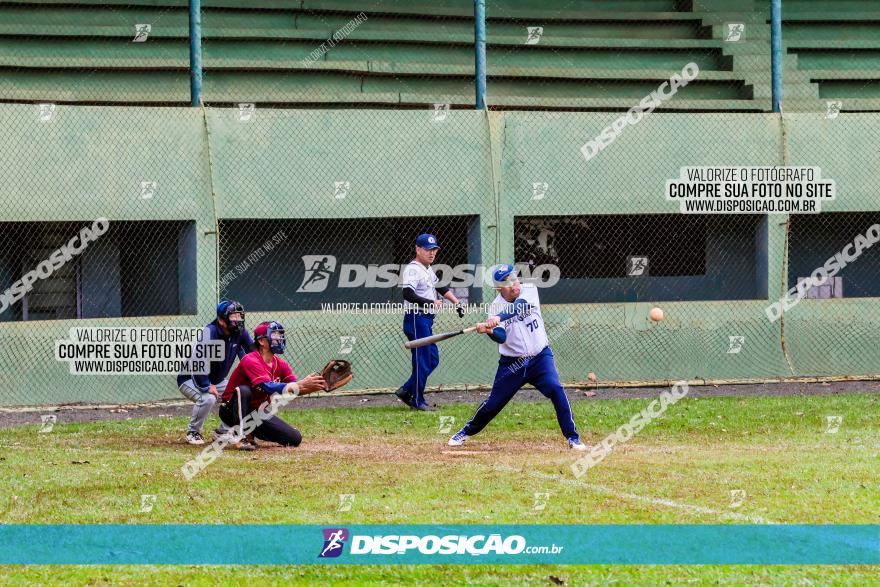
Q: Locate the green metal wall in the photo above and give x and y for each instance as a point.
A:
(89, 161)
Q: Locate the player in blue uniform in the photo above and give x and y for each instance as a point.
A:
(205, 390)
(420, 304)
(525, 357)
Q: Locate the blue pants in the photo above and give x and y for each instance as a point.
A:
(424, 359)
(512, 374)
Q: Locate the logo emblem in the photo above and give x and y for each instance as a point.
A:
(533, 34)
(832, 109)
(446, 423)
(147, 503)
(541, 500)
(148, 190)
(340, 189)
(735, 344)
(246, 111)
(539, 190)
(319, 268)
(346, 344)
(832, 424)
(636, 266)
(441, 111)
(346, 500)
(737, 497)
(141, 32)
(46, 111)
(334, 540)
(735, 31)
(48, 422)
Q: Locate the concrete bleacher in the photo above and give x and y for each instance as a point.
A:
(833, 48)
(596, 55)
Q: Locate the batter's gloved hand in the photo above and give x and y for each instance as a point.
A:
(459, 307)
(336, 374)
(498, 334)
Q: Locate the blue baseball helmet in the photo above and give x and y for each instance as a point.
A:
(503, 275)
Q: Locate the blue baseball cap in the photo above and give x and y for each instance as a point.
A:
(427, 241)
(226, 307)
(503, 274)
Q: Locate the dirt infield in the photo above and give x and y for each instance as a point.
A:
(70, 414)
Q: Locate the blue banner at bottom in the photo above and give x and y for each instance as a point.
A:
(449, 544)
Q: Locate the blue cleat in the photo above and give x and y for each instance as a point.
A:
(424, 407)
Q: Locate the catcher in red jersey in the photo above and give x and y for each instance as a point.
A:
(258, 376)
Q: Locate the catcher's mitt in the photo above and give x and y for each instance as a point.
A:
(336, 374)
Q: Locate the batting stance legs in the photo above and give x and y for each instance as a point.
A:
(272, 430)
(512, 374)
(424, 359)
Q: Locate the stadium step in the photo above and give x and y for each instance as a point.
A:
(625, 44)
(72, 85)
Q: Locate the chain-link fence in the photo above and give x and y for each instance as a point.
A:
(334, 133)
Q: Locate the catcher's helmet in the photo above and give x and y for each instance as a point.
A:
(265, 330)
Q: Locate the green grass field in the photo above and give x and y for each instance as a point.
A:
(774, 453)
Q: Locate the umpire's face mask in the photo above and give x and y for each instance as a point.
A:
(235, 322)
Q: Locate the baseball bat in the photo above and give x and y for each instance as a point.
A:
(419, 342)
(519, 308)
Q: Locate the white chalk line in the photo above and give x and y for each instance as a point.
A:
(694, 509)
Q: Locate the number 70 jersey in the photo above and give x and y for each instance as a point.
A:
(525, 331)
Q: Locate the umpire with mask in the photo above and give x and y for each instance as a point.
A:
(205, 389)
